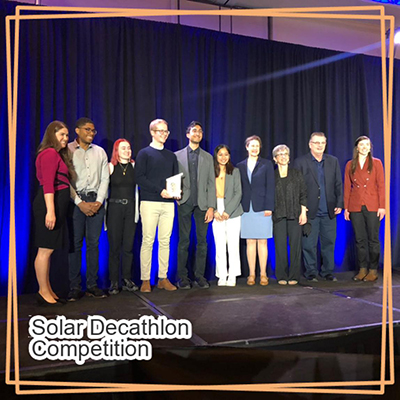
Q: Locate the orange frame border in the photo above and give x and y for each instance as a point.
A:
(387, 300)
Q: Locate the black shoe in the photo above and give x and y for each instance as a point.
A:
(184, 284)
(312, 278)
(95, 292)
(61, 301)
(42, 302)
(129, 286)
(75, 295)
(331, 278)
(202, 283)
(113, 288)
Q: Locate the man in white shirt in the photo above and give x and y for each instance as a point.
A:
(89, 192)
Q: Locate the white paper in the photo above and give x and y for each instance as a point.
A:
(174, 184)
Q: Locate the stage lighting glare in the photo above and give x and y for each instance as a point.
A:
(397, 36)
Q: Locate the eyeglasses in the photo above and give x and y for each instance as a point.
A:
(88, 130)
(319, 143)
(195, 130)
(161, 131)
(282, 155)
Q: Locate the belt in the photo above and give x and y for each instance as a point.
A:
(121, 201)
(85, 193)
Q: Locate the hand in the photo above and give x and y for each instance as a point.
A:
(209, 215)
(302, 219)
(218, 216)
(165, 195)
(346, 215)
(267, 213)
(381, 213)
(95, 206)
(86, 208)
(50, 221)
(225, 216)
(337, 210)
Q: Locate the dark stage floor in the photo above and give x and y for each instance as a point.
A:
(291, 324)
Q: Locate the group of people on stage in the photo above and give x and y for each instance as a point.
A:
(252, 201)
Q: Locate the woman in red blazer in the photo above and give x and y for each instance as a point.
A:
(364, 203)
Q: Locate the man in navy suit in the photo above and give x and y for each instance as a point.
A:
(198, 200)
(325, 200)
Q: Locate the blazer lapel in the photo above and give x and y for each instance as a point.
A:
(201, 160)
(184, 160)
(310, 162)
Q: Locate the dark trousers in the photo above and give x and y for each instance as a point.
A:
(121, 229)
(366, 230)
(81, 226)
(323, 228)
(284, 229)
(185, 213)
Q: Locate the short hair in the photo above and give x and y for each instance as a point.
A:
(278, 148)
(83, 121)
(192, 125)
(321, 134)
(114, 156)
(254, 137)
(156, 122)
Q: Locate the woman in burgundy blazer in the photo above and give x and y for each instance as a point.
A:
(364, 203)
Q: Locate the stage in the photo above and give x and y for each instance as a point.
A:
(322, 331)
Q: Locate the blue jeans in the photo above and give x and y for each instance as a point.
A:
(81, 226)
(323, 228)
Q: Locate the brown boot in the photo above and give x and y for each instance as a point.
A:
(166, 284)
(361, 274)
(145, 288)
(372, 276)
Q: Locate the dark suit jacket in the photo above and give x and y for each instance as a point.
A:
(261, 190)
(288, 203)
(206, 196)
(333, 183)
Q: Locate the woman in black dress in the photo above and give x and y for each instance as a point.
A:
(53, 170)
(122, 215)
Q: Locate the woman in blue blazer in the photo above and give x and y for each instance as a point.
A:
(226, 224)
(258, 193)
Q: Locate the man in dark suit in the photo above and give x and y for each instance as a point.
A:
(325, 200)
(198, 200)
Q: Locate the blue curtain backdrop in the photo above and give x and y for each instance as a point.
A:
(123, 73)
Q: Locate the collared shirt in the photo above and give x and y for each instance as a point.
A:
(319, 169)
(91, 167)
(193, 162)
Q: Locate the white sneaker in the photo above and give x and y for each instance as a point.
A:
(221, 282)
(282, 282)
(231, 281)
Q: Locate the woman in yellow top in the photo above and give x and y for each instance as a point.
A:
(226, 225)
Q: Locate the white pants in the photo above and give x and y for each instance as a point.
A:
(227, 233)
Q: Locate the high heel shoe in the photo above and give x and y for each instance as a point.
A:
(44, 303)
(61, 301)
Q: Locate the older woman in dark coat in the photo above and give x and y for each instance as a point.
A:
(288, 217)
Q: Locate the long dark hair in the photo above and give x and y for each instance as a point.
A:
(229, 165)
(50, 141)
(354, 161)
